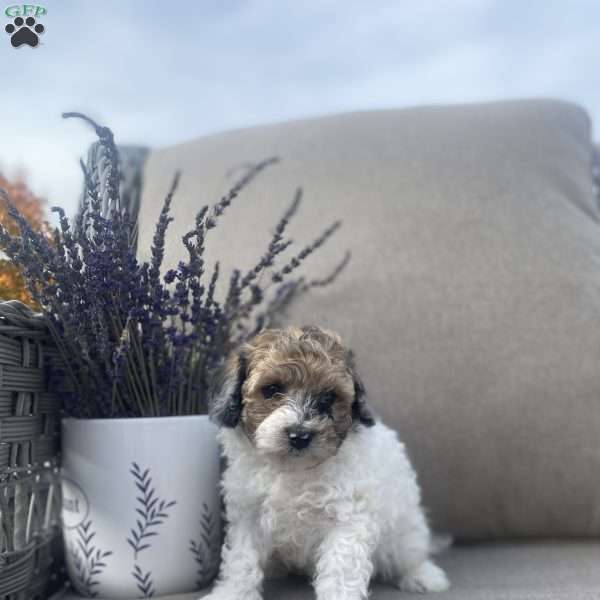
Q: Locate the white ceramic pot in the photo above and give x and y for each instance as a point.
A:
(141, 508)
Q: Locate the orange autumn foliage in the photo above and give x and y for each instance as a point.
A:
(12, 285)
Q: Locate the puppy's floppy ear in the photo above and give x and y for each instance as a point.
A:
(226, 391)
(361, 413)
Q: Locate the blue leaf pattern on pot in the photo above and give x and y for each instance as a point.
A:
(151, 512)
(206, 549)
(87, 559)
(143, 581)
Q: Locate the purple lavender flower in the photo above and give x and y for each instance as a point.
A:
(133, 342)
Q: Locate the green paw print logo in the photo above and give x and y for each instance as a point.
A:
(25, 30)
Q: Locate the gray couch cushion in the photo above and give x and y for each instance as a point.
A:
(503, 572)
(543, 571)
(472, 299)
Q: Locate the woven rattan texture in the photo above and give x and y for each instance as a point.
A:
(29, 445)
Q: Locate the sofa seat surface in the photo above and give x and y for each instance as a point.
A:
(506, 571)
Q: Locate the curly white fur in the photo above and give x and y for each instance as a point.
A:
(356, 515)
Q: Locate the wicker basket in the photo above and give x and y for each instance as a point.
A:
(30, 547)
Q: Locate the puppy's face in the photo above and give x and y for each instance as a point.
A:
(294, 392)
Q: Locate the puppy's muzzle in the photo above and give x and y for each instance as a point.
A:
(299, 438)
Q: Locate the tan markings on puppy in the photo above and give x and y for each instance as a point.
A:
(306, 371)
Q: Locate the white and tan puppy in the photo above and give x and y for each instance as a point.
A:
(314, 483)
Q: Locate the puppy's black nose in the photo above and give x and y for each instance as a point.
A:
(299, 438)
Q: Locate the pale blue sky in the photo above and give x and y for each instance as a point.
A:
(159, 73)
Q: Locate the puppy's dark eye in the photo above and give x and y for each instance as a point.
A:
(268, 391)
(325, 401)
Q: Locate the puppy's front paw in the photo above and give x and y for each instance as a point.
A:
(229, 593)
(427, 577)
